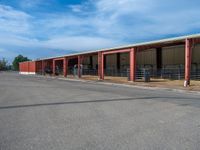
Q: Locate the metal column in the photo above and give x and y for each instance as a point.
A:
(133, 64)
(80, 61)
(43, 66)
(65, 67)
(188, 57)
(100, 64)
(54, 68)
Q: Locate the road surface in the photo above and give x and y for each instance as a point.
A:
(49, 114)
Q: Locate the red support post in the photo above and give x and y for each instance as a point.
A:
(79, 66)
(43, 66)
(54, 67)
(133, 53)
(100, 64)
(65, 66)
(188, 60)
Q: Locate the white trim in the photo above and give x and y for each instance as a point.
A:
(27, 73)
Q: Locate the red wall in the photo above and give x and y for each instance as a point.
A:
(28, 66)
(32, 66)
(39, 66)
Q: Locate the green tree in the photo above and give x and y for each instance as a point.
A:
(17, 60)
(3, 64)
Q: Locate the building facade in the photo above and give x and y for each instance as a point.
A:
(174, 58)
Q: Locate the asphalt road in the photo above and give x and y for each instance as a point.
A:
(51, 114)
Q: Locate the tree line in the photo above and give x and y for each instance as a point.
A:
(4, 65)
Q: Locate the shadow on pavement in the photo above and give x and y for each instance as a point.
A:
(181, 101)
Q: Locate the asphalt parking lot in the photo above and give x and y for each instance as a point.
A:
(50, 114)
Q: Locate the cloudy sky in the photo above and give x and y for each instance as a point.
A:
(43, 28)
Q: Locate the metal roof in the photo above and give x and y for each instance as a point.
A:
(163, 41)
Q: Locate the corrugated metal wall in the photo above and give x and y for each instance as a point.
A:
(146, 58)
(39, 67)
(196, 54)
(31, 66)
(95, 61)
(124, 60)
(23, 67)
(27, 67)
(86, 61)
(196, 57)
(173, 55)
(111, 61)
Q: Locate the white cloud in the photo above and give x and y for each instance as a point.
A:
(13, 21)
(76, 8)
(61, 21)
(96, 24)
(141, 18)
(79, 43)
(119, 7)
(31, 3)
(130, 19)
(2, 50)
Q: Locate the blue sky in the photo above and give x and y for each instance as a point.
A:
(43, 28)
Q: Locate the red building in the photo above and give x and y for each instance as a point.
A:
(174, 58)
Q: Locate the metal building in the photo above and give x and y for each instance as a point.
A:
(174, 58)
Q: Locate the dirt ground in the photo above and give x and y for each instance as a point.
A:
(165, 83)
